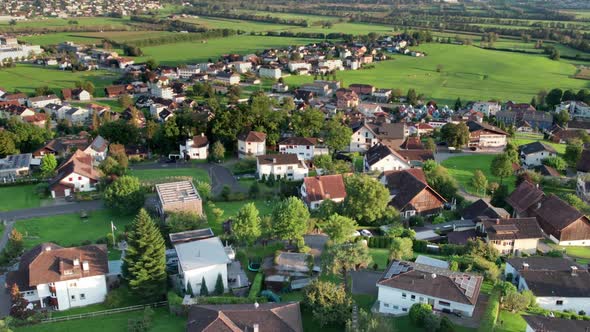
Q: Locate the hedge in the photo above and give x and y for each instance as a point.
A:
(490, 316)
(256, 286)
(230, 300)
(379, 241)
(558, 314)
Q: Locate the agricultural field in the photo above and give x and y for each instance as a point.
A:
(92, 38)
(64, 22)
(191, 52)
(480, 75)
(226, 23)
(26, 77)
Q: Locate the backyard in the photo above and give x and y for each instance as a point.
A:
(580, 253)
(462, 168)
(230, 209)
(198, 174)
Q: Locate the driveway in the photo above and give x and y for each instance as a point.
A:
(4, 298)
(365, 282)
(53, 210)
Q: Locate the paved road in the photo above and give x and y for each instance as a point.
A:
(6, 235)
(4, 298)
(46, 211)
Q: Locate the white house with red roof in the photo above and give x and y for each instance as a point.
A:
(304, 147)
(316, 189)
(76, 174)
(196, 147)
(251, 144)
(382, 158)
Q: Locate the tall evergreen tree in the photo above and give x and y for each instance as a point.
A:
(144, 265)
(219, 288)
(204, 290)
(189, 289)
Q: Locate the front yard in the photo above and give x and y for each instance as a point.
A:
(18, 197)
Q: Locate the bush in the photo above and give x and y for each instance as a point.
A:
(416, 221)
(256, 286)
(554, 253)
(490, 316)
(420, 246)
(230, 300)
(418, 313)
(452, 249)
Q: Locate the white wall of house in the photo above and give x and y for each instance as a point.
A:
(303, 152)
(210, 274)
(43, 103)
(313, 205)
(163, 92)
(80, 182)
(389, 163)
(362, 140)
(80, 116)
(398, 302)
(570, 243)
(76, 292)
(194, 153)
(492, 141)
(535, 159)
(294, 65)
(292, 172)
(270, 72)
(247, 149)
(508, 247)
(331, 64)
(84, 96)
(567, 303)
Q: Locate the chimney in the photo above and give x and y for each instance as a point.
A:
(539, 205)
(574, 270)
(255, 328)
(47, 248)
(202, 134)
(525, 266)
(85, 266)
(497, 221)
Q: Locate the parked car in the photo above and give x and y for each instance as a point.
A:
(356, 233)
(366, 232)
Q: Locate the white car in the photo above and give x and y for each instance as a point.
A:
(366, 232)
(356, 233)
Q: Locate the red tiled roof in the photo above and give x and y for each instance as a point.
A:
(319, 188)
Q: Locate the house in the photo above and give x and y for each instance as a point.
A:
(63, 145)
(294, 66)
(545, 324)
(196, 147)
(270, 72)
(242, 67)
(416, 158)
(362, 89)
(263, 317)
(511, 236)
(76, 94)
(252, 143)
(563, 136)
(117, 90)
(15, 166)
(180, 196)
(548, 171)
(346, 99)
(525, 196)
(200, 258)
(483, 209)
(488, 108)
(16, 110)
(58, 110)
(229, 78)
(369, 109)
(279, 166)
(383, 158)
(366, 135)
(50, 276)
(532, 154)
(305, 148)
(39, 119)
(98, 149)
(77, 115)
(75, 174)
(576, 109)
(382, 95)
(563, 223)
(316, 189)
(405, 283)
(485, 136)
(410, 194)
(42, 101)
(557, 283)
(583, 165)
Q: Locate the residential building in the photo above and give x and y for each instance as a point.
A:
(320, 89)
(583, 165)
(180, 196)
(242, 67)
(410, 193)
(75, 174)
(482, 209)
(42, 101)
(77, 116)
(229, 78)
(293, 66)
(488, 108)
(186, 72)
(263, 317)
(15, 166)
(346, 99)
(382, 95)
(405, 283)
(524, 197)
(365, 135)
(557, 283)
(330, 65)
(50, 276)
(281, 166)
(98, 149)
(270, 72)
(316, 189)
(512, 236)
(369, 109)
(544, 324)
(196, 147)
(306, 148)
(380, 158)
(76, 94)
(62, 146)
(251, 144)
(485, 136)
(532, 154)
(362, 89)
(576, 109)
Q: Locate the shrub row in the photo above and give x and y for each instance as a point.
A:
(559, 314)
(490, 316)
(256, 286)
(379, 242)
(230, 300)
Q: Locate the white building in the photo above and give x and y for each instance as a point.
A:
(577, 109)
(405, 283)
(242, 67)
(188, 71)
(98, 149)
(381, 158)
(306, 148)
(293, 66)
(18, 52)
(487, 107)
(316, 189)
(331, 64)
(76, 174)
(532, 154)
(164, 92)
(62, 278)
(201, 259)
(228, 78)
(77, 115)
(557, 283)
(251, 144)
(281, 166)
(196, 147)
(42, 101)
(270, 72)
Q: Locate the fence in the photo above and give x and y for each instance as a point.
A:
(104, 312)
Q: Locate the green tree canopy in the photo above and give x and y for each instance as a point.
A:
(290, 219)
(366, 198)
(125, 195)
(246, 224)
(328, 302)
(48, 165)
(339, 228)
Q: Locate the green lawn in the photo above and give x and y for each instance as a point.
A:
(379, 256)
(510, 322)
(63, 22)
(26, 78)
(18, 197)
(230, 209)
(92, 38)
(70, 229)
(581, 254)
(198, 174)
(518, 141)
(468, 72)
(163, 322)
(463, 167)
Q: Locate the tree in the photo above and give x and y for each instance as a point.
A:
(456, 135)
(328, 302)
(219, 288)
(125, 195)
(337, 134)
(367, 322)
(458, 104)
(43, 91)
(120, 132)
(511, 152)
(439, 178)
(401, 248)
(418, 313)
(125, 101)
(499, 196)
(7, 144)
(530, 176)
(246, 224)
(446, 325)
(412, 97)
(204, 190)
(4, 327)
(562, 118)
(482, 249)
(204, 291)
(48, 165)
(573, 152)
(479, 181)
(568, 95)
(346, 257)
(19, 304)
(577, 202)
(308, 123)
(110, 167)
(144, 264)
(366, 198)
(189, 289)
(514, 302)
(117, 151)
(290, 219)
(217, 151)
(556, 162)
(553, 97)
(185, 221)
(430, 144)
(339, 228)
(501, 166)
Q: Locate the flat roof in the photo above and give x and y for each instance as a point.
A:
(201, 253)
(193, 235)
(173, 192)
(16, 161)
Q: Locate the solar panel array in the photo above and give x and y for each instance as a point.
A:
(467, 284)
(396, 268)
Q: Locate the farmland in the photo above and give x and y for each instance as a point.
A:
(92, 38)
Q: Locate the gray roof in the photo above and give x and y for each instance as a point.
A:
(201, 253)
(535, 147)
(425, 260)
(15, 162)
(173, 192)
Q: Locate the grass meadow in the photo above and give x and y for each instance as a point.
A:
(18, 197)
(463, 167)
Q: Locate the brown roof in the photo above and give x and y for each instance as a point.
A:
(379, 152)
(412, 143)
(510, 229)
(557, 283)
(481, 208)
(405, 185)
(278, 159)
(557, 213)
(49, 262)
(524, 196)
(323, 187)
(252, 136)
(461, 237)
(270, 317)
(544, 263)
(299, 141)
(416, 155)
(79, 163)
(552, 324)
(475, 126)
(200, 141)
(549, 171)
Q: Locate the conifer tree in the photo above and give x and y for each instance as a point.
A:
(219, 289)
(204, 290)
(189, 289)
(144, 265)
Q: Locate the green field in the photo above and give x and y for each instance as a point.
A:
(198, 174)
(18, 197)
(69, 229)
(92, 38)
(191, 52)
(468, 72)
(510, 322)
(463, 167)
(230, 209)
(580, 253)
(64, 22)
(26, 78)
(379, 256)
